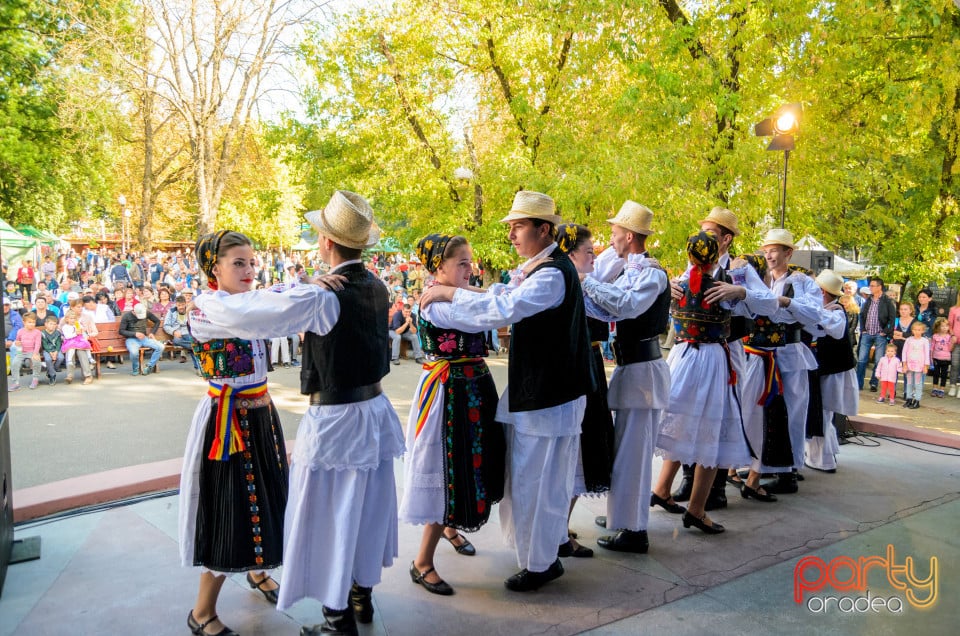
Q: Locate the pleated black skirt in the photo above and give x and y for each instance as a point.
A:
(596, 432)
(242, 500)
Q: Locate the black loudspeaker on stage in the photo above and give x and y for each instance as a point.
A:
(6, 484)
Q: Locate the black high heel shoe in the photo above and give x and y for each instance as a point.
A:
(673, 508)
(270, 595)
(690, 520)
(747, 492)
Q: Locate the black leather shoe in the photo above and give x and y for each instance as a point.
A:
(197, 627)
(601, 521)
(465, 548)
(749, 493)
(527, 581)
(715, 501)
(690, 520)
(673, 508)
(338, 622)
(873, 388)
(580, 552)
(362, 603)
(270, 595)
(686, 485)
(786, 484)
(440, 587)
(635, 541)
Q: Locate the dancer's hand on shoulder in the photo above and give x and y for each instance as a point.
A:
(331, 282)
(724, 291)
(437, 294)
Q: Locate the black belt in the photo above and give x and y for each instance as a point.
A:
(793, 335)
(346, 396)
(637, 351)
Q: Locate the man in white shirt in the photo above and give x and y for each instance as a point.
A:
(549, 377)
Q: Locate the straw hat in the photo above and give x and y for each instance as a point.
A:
(830, 282)
(634, 217)
(724, 218)
(347, 220)
(778, 236)
(528, 204)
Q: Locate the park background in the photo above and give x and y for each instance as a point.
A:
(209, 114)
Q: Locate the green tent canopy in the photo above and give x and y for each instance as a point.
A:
(16, 247)
(44, 237)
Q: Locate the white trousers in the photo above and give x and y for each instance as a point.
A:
(279, 350)
(340, 527)
(533, 512)
(821, 452)
(635, 436)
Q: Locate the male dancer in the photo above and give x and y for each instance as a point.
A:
(775, 349)
(638, 299)
(340, 527)
(549, 377)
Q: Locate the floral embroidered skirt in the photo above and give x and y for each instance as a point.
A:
(455, 463)
(242, 501)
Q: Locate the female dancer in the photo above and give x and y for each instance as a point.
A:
(702, 422)
(596, 430)
(455, 449)
(233, 489)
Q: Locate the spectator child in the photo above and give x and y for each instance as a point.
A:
(51, 341)
(75, 346)
(28, 345)
(941, 345)
(887, 370)
(916, 361)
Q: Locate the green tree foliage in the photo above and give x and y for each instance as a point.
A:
(654, 100)
(51, 160)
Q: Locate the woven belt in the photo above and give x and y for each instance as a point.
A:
(346, 396)
(639, 351)
(252, 403)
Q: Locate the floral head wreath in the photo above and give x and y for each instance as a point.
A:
(206, 249)
(430, 250)
(567, 236)
(703, 250)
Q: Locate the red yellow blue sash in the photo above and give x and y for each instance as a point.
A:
(438, 372)
(772, 383)
(228, 439)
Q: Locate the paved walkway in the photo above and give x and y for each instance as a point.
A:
(116, 570)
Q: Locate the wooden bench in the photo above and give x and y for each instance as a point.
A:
(110, 342)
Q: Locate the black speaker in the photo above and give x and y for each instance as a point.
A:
(6, 482)
(814, 260)
(6, 497)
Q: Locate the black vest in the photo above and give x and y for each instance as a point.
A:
(768, 334)
(648, 325)
(835, 355)
(356, 352)
(550, 351)
(599, 330)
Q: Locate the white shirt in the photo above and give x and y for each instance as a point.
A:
(503, 305)
(626, 296)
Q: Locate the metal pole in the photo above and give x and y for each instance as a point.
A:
(783, 199)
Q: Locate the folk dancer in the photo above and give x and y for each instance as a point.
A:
(543, 404)
(454, 468)
(634, 292)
